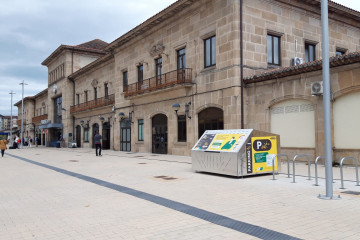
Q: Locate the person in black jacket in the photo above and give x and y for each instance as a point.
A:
(97, 141)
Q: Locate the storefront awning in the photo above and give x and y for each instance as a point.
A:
(51, 125)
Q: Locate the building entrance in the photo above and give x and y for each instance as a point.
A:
(210, 119)
(95, 129)
(159, 134)
(106, 136)
(78, 136)
(125, 135)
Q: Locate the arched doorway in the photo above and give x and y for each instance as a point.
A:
(106, 135)
(159, 134)
(95, 129)
(125, 135)
(294, 121)
(346, 115)
(78, 136)
(211, 118)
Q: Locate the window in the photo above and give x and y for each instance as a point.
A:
(309, 52)
(125, 80)
(181, 61)
(77, 98)
(158, 67)
(141, 129)
(106, 88)
(86, 134)
(86, 96)
(58, 110)
(340, 51)
(95, 93)
(181, 128)
(273, 49)
(140, 69)
(210, 51)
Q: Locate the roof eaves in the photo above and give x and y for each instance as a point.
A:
(303, 68)
(91, 66)
(149, 23)
(75, 48)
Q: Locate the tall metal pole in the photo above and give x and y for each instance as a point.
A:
(11, 121)
(22, 114)
(326, 100)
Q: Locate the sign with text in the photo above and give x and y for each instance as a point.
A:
(263, 150)
(222, 140)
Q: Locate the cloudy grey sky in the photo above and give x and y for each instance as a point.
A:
(31, 30)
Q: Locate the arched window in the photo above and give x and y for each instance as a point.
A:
(346, 117)
(211, 118)
(294, 120)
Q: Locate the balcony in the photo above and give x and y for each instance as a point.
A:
(100, 102)
(159, 82)
(39, 118)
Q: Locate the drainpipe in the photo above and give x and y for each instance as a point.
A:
(241, 65)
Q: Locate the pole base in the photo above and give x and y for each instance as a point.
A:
(324, 197)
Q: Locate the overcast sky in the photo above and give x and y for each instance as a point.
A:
(30, 30)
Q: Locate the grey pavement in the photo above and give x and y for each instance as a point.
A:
(49, 193)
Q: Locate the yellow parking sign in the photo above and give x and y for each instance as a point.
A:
(263, 150)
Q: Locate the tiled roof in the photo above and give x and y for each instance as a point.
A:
(316, 65)
(94, 44)
(337, 5)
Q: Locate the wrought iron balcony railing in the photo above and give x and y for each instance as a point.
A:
(159, 82)
(100, 102)
(39, 118)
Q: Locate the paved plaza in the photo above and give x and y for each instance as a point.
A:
(50, 193)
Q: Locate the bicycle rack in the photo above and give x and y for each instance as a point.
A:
(273, 165)
(316, 175)
(297, 156)
(341, 171)
(288, 162)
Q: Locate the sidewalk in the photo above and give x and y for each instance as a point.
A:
(49, 193)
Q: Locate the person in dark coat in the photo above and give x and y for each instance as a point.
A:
(97, 141)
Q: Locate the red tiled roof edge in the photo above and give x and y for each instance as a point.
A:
(316, 65)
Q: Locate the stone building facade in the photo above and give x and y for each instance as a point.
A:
(207, 60)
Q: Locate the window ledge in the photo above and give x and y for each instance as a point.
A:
(139, 142)
(180, 143)
(209, 68)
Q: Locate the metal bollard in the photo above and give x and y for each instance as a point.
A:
(316, 175)
(342, 174)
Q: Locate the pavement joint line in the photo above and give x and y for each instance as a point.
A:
(246, 228)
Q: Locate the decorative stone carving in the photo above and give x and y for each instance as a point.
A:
(94, 83)
(157, 49)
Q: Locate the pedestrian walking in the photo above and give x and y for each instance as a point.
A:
(30, 141)
(36, 141)
(3, 147)
(97, 141)
(18, 141)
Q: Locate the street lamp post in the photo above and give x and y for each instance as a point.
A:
(22, 114)
(11, 121)
(326, 101)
